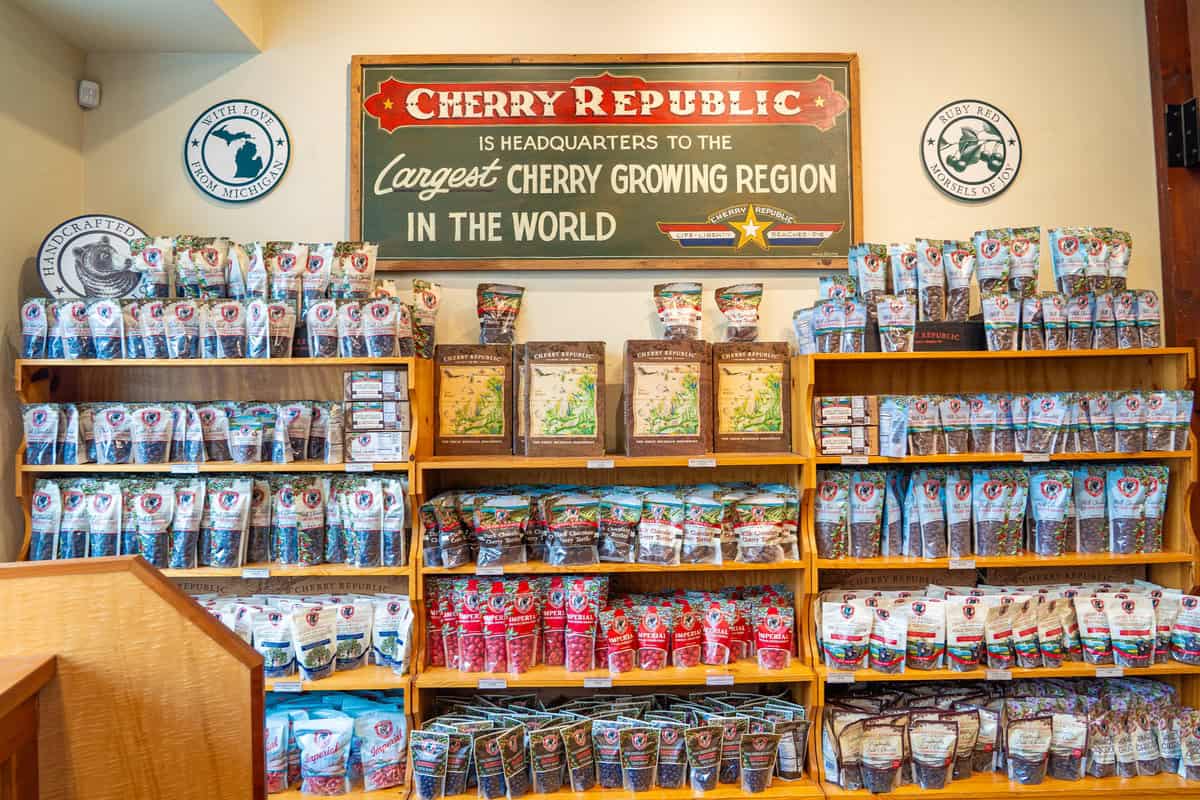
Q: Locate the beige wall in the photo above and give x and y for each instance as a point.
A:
(1071, 74)
(41, 161)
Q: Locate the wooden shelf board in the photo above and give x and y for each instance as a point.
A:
(37, 363)
(213, 466)
(984, 355)
(988, 458)
(994, 785)
(541, 568)
(1023, 560)
(743, 672)
(281, 571)
(368, 677)
(779, 790)
(1071, 669)
(618, 461)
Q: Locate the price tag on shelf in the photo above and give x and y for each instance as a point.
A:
(962, 563)
(597, 683)
(256, 572)
(492, 683)
(722, 679)
(1110, 672)
(491, 570)
(364, 467)
(287, 686)
(600, 463)
(700, 463)
(848, 460)
(839, 677)
(1035, 458)
(998, 675)
(185, 469)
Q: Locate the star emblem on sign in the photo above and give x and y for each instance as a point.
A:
(751, 229)
(195, 142)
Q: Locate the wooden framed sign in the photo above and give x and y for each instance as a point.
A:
(606, 161)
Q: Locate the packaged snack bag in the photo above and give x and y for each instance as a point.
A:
(678, 307)
(1069, 259)
(931, 280)
(958, 258)
(1000, 320)
(897, 316)
(903, 260)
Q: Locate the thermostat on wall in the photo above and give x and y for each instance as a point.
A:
(89, 94)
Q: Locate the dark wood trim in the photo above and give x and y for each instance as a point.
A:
(1171, 81)
(582, 265)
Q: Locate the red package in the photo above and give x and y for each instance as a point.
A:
(739, 632)
(654, 638)
(449, 628)
(468, 603)
(686, 637)
(435, 644)
(581, 628)
(716, 622)
(495, 629)
(621, 638)
(554, 623)
(522, 626)
(773, 629)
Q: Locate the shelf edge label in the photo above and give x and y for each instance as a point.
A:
(600, 463)
(491, 570)
(365, 467)
(998, 675)
(719, 679)
(287, 686)
(597, 683)
(492, 683)
(840, 677)
(701, 463)
(185, 469)
(1110, 672)
(256, 572)
(855, 460)
(962, 563)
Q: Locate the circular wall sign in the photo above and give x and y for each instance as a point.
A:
(88, 256)
(971, 150)
(237, 151)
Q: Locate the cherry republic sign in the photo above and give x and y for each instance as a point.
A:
(476, 162)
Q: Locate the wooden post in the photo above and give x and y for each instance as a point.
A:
(1173, 34)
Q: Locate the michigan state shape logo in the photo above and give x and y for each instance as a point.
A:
(971, 150)
(237, 151)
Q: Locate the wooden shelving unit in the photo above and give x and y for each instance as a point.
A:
(806, 679)
(928, 373)
(196, 380)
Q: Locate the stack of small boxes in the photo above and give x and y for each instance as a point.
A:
(846, 425)
(378, 416)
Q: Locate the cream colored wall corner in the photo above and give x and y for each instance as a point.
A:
(41, 159)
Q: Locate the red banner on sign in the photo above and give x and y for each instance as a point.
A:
(608, 100)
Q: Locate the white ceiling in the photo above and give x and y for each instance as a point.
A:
(154, 26)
